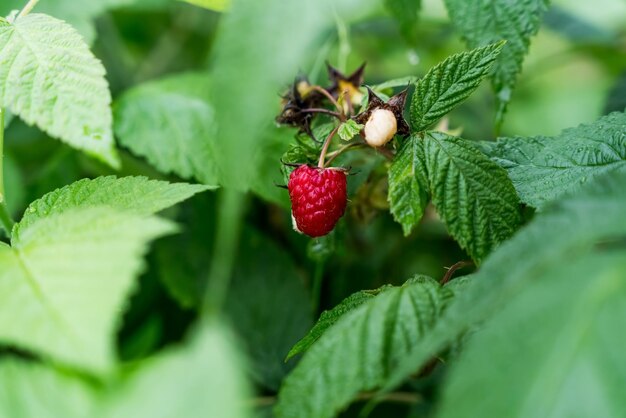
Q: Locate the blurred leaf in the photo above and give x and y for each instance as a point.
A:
(448, 84)
(328, 318)
(616, 101)
(269, 306)
(349, 129)
(575, 28)
(357, 352)
(15, 193)
(216, 5)
(66, 278)
(171, 123)
(30, 390)
(137, 195)
(472, 194)
(396, 82)
(560, 234)
(80, 15)
(565, 333)
(482, 23)
(408, 184)
(55, 82)
(544, 168)
(406, 13)
(199, 380)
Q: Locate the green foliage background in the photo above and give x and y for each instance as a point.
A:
(173, 285)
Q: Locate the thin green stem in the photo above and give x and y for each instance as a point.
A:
(230, 213)
(28, 8)
(5, 217)
(316, 290)
(329, 138)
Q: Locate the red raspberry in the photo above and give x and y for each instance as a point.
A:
(318, 198)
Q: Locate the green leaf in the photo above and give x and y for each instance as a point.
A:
(408, 184)
(357, 352)
(216, 5)
(172, 124)
(472, 194)
(396, 82)
(406, 13)
(349, 129)
(66, 278)
(52, 80)
(199, 380)
(29, 389)
(558, 235)
(80, 15)
(138, 195)
(448, 84)
(544, 168)
(269, 306)
(481, 23)
(565, 331)
(328, 318)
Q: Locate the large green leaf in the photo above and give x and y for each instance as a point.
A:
(544, 168)
(202, 379)
(448, 84)
(28, 390)
(560, 234)
(268, 305)
(78, 14)
(408, 184)
(172, 124)
(328, 318)
(357, 353)
(561, 342)
(472, 194)
(483, 22)
(50, 78)
(135, 194)
(65, 280)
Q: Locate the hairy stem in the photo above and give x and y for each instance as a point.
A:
(28, 8)
(329, 138)
(331, 99)
(5, 217)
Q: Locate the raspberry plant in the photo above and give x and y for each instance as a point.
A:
(451, 263)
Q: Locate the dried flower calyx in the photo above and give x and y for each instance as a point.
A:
(382, 121)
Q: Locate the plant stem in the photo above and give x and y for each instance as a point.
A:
(332, 155)
(331, 99)
(324, 111)
(317, 286)
(28, 8)
(329, 138)
(5, 217)
(230, 212)
(453, 268)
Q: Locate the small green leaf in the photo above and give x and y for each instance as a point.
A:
(472, 194)
(448, 84)
(65, 280)
(564, 331)
(544, 168)
(135, 194)
(52, 80)
(328, 318)
(560, 234)
(408, 184)
(396, 82)
(171, 123)
(481, 23)
(357, 352)
(349, 129)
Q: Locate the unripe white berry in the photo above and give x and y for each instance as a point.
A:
(380, 127)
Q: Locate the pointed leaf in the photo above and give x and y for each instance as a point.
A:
(408, 184)
(349, 129)
(172, 124)
(50, 78)
(135, 194)
(472, 194)
(65, 281)
(544, 168)
(357, 352)
(448, 84)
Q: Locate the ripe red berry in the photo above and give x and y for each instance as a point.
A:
(318, 198)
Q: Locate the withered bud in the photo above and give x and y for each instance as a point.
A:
(383, 120)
